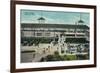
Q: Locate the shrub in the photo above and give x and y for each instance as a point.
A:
(69, 57)
(62, 51)
(56, 53)
(42, 59)
(49, 58)
(82, 57)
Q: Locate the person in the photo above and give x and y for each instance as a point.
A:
(44, 51)
(34, 55)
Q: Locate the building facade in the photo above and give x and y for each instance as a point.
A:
(53, 30)
(64, 36)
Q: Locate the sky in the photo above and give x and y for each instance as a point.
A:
(54, 17)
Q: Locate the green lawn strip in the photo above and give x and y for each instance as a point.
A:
(28, 51)
(69, 57)
(57, 57)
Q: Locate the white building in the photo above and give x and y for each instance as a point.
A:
(66, 36)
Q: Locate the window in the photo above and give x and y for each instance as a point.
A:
(71, 30)
(39, 34)
(47, 34)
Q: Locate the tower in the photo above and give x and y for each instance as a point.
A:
(80, 22)
(41, 19)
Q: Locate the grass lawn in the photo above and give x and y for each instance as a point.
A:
(57, 57)
(69, 57)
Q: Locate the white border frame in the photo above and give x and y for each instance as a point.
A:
(52, 64)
